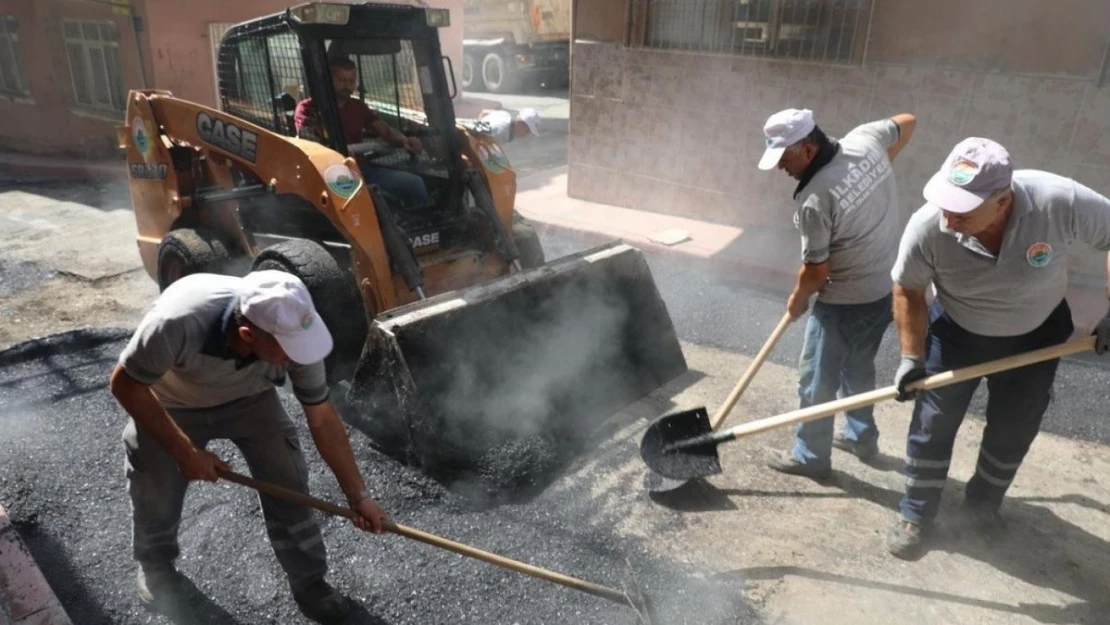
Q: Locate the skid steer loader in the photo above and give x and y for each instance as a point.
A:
(459, 349)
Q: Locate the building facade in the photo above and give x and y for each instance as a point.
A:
(66, 65)
(669, 96)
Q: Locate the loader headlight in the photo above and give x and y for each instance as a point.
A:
(322, 13)
(438, 18)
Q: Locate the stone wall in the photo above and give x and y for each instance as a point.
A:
(681, 133)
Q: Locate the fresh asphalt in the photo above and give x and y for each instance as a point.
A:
(61, 474)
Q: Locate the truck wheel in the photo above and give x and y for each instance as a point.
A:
(497, 74)
(333, 293)
(471, 75)
(185, 251)
(528, 244)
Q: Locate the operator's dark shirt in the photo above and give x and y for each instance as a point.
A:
(355, 117)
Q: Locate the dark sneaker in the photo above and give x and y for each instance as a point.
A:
(904, 539)
(322, 603)
(784, 461)
(162, 586)
(863, 451)
(985, 519)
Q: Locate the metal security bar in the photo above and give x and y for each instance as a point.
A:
(265, 81)
(833, 31)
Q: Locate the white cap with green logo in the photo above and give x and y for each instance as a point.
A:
(280, 304)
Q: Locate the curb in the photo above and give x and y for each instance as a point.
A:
(25, 596)
(62, 169)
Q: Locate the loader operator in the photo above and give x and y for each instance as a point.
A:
(203, 365)
(847, 214)
(993, 242)
(356, 118)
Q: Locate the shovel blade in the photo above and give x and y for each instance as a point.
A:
(681, 464)
(655, 483)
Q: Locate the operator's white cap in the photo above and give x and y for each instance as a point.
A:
(531, 118)
(784, 129)
(279, 303)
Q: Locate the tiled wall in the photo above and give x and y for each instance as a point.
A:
(681, 133)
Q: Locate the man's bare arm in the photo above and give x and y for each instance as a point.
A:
(811, 279)
(911, 317)
(139, 402)
(906, 123)
(330, 437)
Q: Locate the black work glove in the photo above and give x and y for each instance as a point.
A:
(1102, 335)
(911, 369)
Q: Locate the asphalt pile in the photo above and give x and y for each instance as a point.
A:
(62, 477)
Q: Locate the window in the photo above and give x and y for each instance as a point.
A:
(92, 49)
(12, 80)
(262, 79)
(804, 30)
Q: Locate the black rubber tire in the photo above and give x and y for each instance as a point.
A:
(528, 244)
(506, 80)
(472, 66)
(185, 251)
(334, 294)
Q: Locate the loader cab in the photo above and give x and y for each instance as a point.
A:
(269, 66)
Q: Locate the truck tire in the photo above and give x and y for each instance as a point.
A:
(185, 251)
(472, 74)
(333, 293)
(498, 74)
(528, 244)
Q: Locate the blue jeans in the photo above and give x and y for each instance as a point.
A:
(407, 186)
(841, 341)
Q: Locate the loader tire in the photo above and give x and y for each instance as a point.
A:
(185, 251)
(528, 244)
(333, 293)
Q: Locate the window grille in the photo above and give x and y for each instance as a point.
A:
(12, 76)
(829, 31)
(92, 49)
(265, 81)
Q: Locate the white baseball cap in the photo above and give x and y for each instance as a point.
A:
(976, 169)
(784, 129)
(531, 118)
(279, 303)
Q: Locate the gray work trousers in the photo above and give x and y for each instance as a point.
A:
(261, 429)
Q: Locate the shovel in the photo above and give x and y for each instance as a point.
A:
(693, 422)
(631, 597)
(684, 455)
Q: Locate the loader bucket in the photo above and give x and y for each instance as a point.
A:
(499, 385)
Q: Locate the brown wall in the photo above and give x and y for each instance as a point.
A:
(48, 120)
(681, 133)
(600, 20)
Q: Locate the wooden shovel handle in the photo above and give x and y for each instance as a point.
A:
(890, 392)
(431, 539)
(753, 368)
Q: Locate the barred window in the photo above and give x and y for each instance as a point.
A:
(12, 77)
(262, 79)
(92, 49)
(805, 30)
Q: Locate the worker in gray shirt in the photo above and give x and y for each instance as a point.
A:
(204, 364)
(993, 244)
(848, 218)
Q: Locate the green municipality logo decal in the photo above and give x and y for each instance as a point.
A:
(1039, 254)
(341, 180)
(140, 133)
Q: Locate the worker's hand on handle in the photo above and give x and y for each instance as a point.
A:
(201, 464)
(911, 370)
(797, 305)
(412, 144)
(1102, 335)
(371, 516)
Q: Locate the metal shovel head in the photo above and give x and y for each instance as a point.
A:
(684, 464)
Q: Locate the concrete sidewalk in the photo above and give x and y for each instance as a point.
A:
(25, 596)
(765, 257)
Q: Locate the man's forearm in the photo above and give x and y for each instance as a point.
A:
(388, 133)
(330, 437)
(139, 402)
(911, 318)
(811, 279)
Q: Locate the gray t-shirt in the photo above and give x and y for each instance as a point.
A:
(1013, 293)
(180, 350)
(848, 215)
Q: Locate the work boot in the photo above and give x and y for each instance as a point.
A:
(904, 540)
(322, 603)
(784, 461)
(985, 519)
(863, 451)
(161, 586)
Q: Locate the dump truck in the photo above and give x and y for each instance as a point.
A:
(457, 343)
(508, 43)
